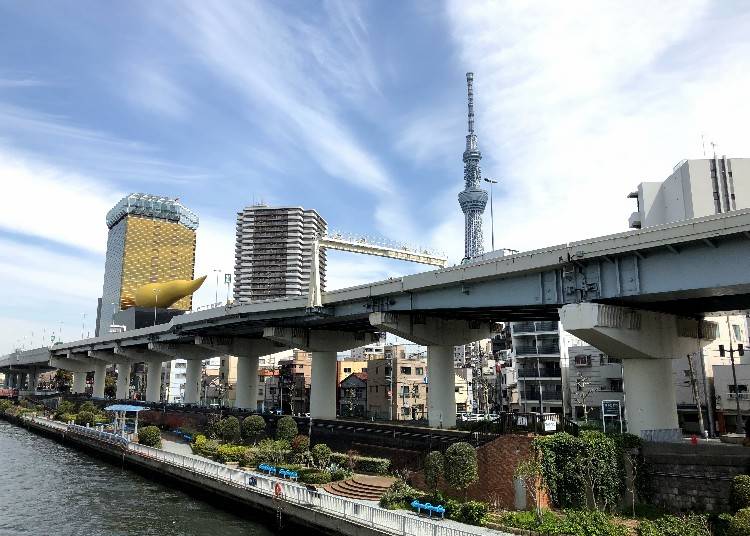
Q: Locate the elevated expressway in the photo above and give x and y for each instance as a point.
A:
(637, 295)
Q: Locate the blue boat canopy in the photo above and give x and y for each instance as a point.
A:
(124, 407)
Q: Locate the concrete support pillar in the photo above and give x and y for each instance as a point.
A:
(650, 397)
(79, 382)
(153, 380)
(442, 387)
(33, 380)
(323, 386)
(22, 380)
(11, 379)
(193, 381)
(123, 380)
(100, 373)
(246, 394)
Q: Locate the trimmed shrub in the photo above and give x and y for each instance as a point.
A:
(460, 465)
(321, 454)
(253, 428)
(313, 476)
(85, 417)
(230, 453)
(5, 404)
(300, 444)
(248, 459)
(340, 473)
(229, 429)
(88, 406)
(740, 523)
(669, 525)
(213, 426)
(433, 468)
(271, 452)
(149, 436)
(377, 466)
(286, 428)
(399, 495)
(472, 513)
(740, 493)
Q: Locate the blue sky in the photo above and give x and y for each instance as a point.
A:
(356, 109)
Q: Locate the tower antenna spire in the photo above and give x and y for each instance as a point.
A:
(472, 199)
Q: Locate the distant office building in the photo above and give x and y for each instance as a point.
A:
(371, 351)
(273, 252)
(151, 239)
(173, 380)
(536, 349)
(591, 377)
(696, 188)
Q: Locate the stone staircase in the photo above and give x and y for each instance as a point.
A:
(362, 487)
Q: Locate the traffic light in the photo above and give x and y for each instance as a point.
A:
(721, 350)
(740, 350)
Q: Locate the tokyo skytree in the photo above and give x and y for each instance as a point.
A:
(472, 199)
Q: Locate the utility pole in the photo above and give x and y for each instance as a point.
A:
(694, 386)
(740, 427)
(492, 211)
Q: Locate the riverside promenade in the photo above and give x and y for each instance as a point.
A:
(296, 504)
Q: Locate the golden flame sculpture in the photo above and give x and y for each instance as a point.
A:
(167, 293)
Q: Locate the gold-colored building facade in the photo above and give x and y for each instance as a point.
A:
(151, 239)
(156, 251)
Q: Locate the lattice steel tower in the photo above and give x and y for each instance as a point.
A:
(472, 199)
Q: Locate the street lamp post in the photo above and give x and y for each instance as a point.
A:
(492, 211)
(216, 292)
(156, 302)
(740, 428)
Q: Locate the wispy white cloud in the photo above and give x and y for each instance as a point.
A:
(575, 107)
(293, 77)
(9, 83)
(152, 88)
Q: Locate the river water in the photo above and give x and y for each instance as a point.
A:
(50, 489)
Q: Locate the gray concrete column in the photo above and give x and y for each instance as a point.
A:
(123, 380)
(650, 397)
(193, 381)
(441, 395)
(79, 382)
(323, 385)
(246, 394)
(100, 373)
(33, 380)
(153, 380)
(11, 376)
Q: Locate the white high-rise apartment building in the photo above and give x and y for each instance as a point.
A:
(272, 252)
(696, 188)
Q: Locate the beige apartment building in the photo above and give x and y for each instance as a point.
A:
(397, 388)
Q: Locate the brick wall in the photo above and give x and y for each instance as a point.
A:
(497, 463)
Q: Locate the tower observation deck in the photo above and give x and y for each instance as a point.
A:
(473, 199)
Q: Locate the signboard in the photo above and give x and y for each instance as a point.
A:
(522, 420)
(611, 408)
(227, 278)
(550, 425)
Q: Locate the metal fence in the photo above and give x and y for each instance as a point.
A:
(384, 520)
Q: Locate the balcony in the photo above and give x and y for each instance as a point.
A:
(548, 394)
(542, 372)
(534, 327)
(540, 348)
(741, 396)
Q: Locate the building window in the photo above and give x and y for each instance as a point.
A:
(737, 332)
(615, 384)
(405, 370)
(405, 411)
(404, 390)
(347, 370)
(583, 361)
(458, 389)
(741, 387)
(419, 371)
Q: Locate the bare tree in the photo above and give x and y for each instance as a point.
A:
(530, 473)
(582, 392)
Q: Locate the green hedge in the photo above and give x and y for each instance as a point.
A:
(363, 464)
(231, 453)
(85, 417)
(740, 493)
(314, 476)
(572, 466)
(572, 523)
(740, 523)
(669, 525)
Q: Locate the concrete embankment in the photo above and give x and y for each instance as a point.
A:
(289, 503)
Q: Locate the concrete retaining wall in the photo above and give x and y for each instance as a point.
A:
(685, 477)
